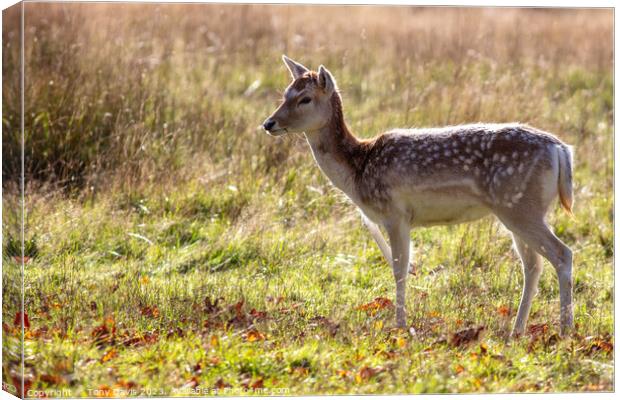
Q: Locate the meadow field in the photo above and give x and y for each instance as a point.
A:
(175, 249)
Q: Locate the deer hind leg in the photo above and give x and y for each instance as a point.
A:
(398, 233)
(532, 268)
(376, 234)
(536, 235)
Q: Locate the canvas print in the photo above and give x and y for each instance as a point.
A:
(285, 200)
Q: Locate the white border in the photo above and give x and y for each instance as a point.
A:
(458, 3)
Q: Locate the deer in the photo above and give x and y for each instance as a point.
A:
(408, 178)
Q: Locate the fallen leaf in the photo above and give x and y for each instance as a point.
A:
(126, 384)
(537, 329)
(594, 344)
(343, 373)
(52, 379)
(465, 336)
(192, 382)
(257, 384)
(105, 333)
(258, 315)
(221, 384)
(458, 369)
(110, 354)
(152, 312)
(367, 372)
(379, 303)
(390, 354)
(18, 320)
(504, 311)
(104, 391)
(211, 307)
(239, 309)
(254, 335)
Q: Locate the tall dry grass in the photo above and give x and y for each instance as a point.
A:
(128, 92)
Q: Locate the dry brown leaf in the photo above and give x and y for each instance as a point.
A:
(343, 373)
(257, 384)
(597, 344)
(254, 335)
(366, 372)
(258, 315)
(18, 320)
(52, 379)
(121, 383)
(466, 336)
(238, 307)
(504, 311)
(379, 303)
(148, 311)
(537, 329)
(110, 354)
(221, 384)
(104, 391)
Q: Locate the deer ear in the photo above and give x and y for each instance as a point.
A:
(326, 81)
(294, 67)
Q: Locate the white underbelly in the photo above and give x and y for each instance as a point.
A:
(429, 209)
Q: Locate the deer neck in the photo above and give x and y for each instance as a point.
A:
(337, 151)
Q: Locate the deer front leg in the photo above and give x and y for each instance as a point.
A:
(398, 233)
(376, 234)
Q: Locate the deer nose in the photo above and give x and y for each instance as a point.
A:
(269, 123)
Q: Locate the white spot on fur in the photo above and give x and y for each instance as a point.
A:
(516, 197)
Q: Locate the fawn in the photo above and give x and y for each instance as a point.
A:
(406, 178)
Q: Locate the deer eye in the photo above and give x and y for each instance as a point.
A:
(305, 100)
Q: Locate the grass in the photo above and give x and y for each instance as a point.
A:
(179, 249)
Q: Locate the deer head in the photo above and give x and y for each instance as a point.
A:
(306, 106)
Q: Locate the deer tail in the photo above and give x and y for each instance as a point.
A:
(565, 178)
